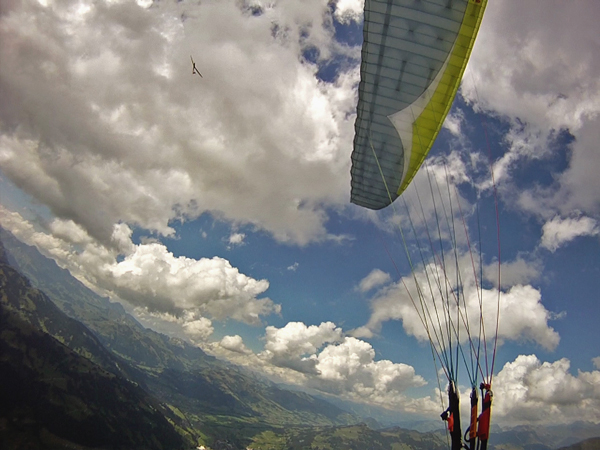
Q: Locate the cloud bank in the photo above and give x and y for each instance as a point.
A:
(100, 108)
(528, 391)
(178, 289)
(543, 78)
(417, 300)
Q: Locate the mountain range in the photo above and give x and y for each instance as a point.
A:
(213, 400)
(78, 371)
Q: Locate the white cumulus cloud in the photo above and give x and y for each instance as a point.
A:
(235, 240)
(152, 278)
(559, 231)
(350, 368)
(295, 345)
(522, 314)
(349, 10)
(376, 278)
(199, 329)
(336, 364)
(530, 391)
(234, 344)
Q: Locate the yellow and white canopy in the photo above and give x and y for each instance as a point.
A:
(413, 57)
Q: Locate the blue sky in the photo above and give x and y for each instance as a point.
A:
(217, 208)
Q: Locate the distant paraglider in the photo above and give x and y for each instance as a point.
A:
(194, 69)
(414, 55)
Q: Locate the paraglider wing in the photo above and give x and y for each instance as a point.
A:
(413, 57)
